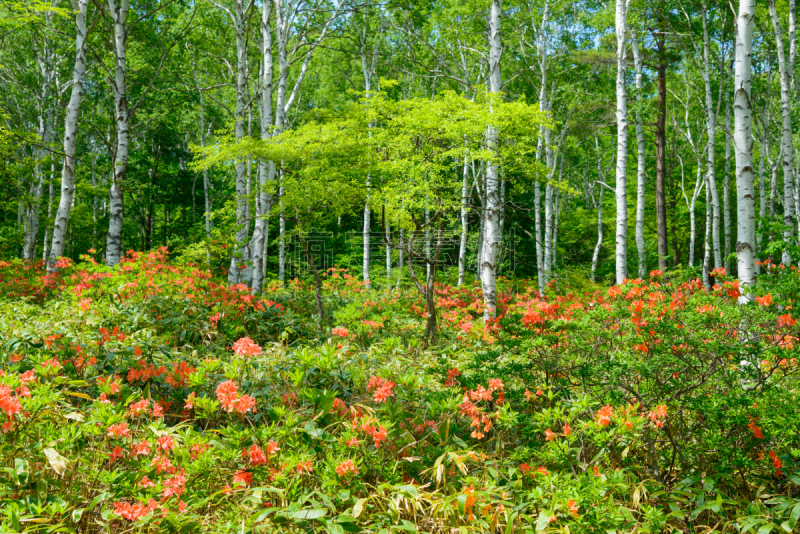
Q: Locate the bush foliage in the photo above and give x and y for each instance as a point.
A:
(154, 398)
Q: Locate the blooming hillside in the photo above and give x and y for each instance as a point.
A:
(154, 398)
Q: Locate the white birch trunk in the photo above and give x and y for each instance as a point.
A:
(548, 206)
(641, 173)
(787, 149)
(119, 14)
(70, 137)
(709, 231)
(762, 196)
(743, 145)
(622, 145)
(543, 106)
(427, 241)
(365, 234)
(266, 169)
(491, 234)
(44, 61)
(368, 70)
(388, 254)
(240, 249)
(711, 129)
(691, 207)
(726, 186)
(281, 239)
(51, 195)
(599, 244)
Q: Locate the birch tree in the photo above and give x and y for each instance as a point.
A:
(266, 169)
(711, 130)
(641, 171)
(743, 145)
(70, 137)
(491, 235)
(787, 150)
(620, 23)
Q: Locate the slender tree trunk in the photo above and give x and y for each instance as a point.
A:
(743, 144)
(281, 238)
(726, 186)
(491, 234)
(427, 241)
(691, 206)
(641, 173)
(241, 251)
(709, 231)
(787, 149)
(50, 196)
(70, 137)
(388, 254)
(400, 257)
(762, 195)
(266, 169)
(661, 155)
(119, 15)
(711, 128)
(622, 145)
(599, 244)
(366, 235)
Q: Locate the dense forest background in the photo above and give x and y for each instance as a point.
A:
(165, 78)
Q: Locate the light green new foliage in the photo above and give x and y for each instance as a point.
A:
(409, 148)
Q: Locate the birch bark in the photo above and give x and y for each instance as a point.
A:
(726, 186)
(743, 145)
(622, 145)
(266, 169)
(787, 149)
(70, 137)
(491, 234)
(118, 10)
(711, 128)
(641, 174)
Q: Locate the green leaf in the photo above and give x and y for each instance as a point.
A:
(314, 513)
(359, 506)
(462, 504)
(544, 520)
(795, 515)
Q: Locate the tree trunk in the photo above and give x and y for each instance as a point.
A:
(491, 234)
(365, 234)
(599, 244)
(70, 137)
(711, 128)
(786, 139)
(241, 251)
(641, 173)
(743, 144)
(622, 146)
(661, 155)
(266, 169)
(709, 231)
(726, 186)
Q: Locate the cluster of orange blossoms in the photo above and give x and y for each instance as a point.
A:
(246, 347)
(227, 393)
(380, 388)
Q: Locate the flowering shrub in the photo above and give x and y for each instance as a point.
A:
(170, 402)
